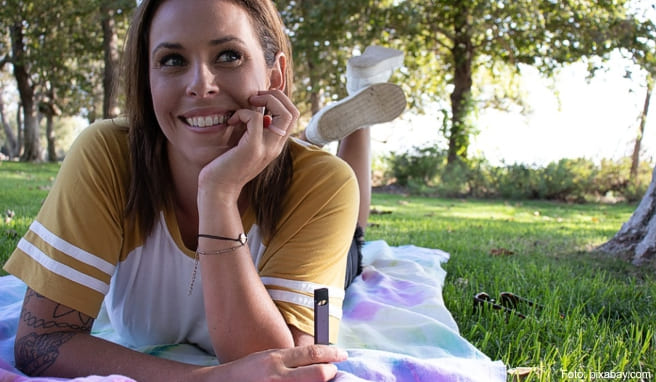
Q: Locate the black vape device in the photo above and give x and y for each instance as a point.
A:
(321, 306)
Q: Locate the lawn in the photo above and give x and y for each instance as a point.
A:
(539, 250)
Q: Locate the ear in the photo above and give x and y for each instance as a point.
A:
(277, 76)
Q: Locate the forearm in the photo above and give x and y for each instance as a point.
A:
(75, 354)
(242, 318)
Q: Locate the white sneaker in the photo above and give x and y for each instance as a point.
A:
(378, 103)
(375, 65)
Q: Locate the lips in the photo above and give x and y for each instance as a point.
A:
(207, 120)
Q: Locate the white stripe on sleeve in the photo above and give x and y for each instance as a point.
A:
(71, 250)
(302, 286)
(62, 269)
(302, 300)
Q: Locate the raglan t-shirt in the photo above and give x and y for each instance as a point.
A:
(81, 252)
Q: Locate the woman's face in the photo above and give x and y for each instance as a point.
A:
(205, 62)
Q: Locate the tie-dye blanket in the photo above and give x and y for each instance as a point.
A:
(395, 326)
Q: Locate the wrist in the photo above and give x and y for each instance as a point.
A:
(213, 198)
(211, 188)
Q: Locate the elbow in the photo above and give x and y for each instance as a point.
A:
(36, 353)
(232, 349)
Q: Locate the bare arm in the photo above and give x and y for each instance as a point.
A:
(54, 340)
(242, 318)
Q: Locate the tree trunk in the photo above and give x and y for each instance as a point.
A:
(32, 150)
(50, 136)
(462, 53)
(12, 143)
(315, 96)
(110, 45)
(49, 109)
(635, 158)
(19, 129)
(636, 239)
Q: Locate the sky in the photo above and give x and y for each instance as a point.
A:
(593, 119)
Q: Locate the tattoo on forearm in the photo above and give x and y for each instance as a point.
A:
(36, 353)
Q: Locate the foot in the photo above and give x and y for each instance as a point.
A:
(378, 103)
(375, 65)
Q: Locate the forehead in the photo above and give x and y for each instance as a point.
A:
(200, 20)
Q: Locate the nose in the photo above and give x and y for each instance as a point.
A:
(202, 82)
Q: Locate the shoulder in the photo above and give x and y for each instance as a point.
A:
(313, 164)
(102, 144)
(98, 159)
(113, 133)
(321, 184)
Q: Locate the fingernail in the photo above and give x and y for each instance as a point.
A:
(266, 120)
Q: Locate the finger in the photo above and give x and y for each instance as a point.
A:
(321, 372)
(261, 103)
(283, 112)
(313, 354)
(284, 100)
(252, 120)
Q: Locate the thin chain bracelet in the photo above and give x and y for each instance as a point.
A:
(217, 252)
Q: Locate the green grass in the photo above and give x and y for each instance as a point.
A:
(545, 252)
(23, 187)
(539, 250)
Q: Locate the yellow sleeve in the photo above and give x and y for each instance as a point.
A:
(71, 249)
(309, 249)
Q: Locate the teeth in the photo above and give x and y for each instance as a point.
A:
(209, 120)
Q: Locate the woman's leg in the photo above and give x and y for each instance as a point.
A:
(371, 101)
(355, 149)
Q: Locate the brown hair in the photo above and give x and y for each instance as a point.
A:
(149, 191)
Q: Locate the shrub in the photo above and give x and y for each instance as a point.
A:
(419, 166)
(567, 180)
(424, 171)
(517, 181)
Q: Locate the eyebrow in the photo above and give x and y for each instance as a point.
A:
(215, 42)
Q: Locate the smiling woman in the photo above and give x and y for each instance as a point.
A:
(202, 168)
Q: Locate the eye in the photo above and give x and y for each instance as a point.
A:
(171, 60)
(229, 56)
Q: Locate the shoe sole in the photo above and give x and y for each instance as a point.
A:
(378, 103)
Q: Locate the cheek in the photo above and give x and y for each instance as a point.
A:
(161, 95)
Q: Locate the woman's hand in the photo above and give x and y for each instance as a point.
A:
(260, 144)
(299, 364)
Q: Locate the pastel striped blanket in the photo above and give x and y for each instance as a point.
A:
(395, 326)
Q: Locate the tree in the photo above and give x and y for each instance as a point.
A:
(323, 35)
(471, 35)
(33, 52)
(11, 145)
(58, 63)
(635, 157)
(636, 239)
(113, 16)
(31, 150)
